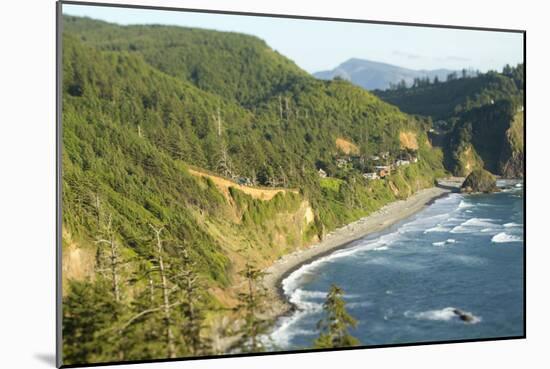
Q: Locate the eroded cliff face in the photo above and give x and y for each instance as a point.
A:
(490, 137)
(512, 163)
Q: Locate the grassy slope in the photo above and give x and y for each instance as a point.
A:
(130, 130)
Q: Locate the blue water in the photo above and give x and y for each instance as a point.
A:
(402, 285)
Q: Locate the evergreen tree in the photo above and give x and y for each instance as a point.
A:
(251, 303)
(334, 327)
(89, 313)
(192, 307)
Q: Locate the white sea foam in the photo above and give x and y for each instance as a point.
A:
(510, 225)
(444, 243)
(437, 228)
(445, 314)
(475, 225)
(503, 237)
(381, 248)
(463, 205)
(284, 332)
(298, 297)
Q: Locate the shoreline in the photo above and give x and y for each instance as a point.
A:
(341, 238)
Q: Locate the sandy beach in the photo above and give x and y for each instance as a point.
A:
(341, 238)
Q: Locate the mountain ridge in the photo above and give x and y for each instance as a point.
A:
(373, 75)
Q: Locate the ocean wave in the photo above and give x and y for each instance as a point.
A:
(446, 314)
(298, 298)
(443, 243)
(283, 333)
(437, 228)
(468, 260)
(313, 294)
(475, 225)
(381, 248)
(463, 205)
(359, 304)
(503, 237)
(510, 225)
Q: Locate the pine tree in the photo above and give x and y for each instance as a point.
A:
(88, 313)
(251, 303)
(334, 326)
(191, 309)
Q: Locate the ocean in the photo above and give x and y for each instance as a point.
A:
(403, 284)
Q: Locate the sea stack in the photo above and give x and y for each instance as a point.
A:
(479, 180)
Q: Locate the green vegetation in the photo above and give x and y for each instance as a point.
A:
(252, 302)
(144, 109)
(334, 326)
(479, 180)
(443, 100)
(474, 118)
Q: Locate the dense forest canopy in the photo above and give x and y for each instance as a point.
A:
(444, 99)
(197, 155)
(478, 119)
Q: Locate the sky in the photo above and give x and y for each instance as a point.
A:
(320, 45)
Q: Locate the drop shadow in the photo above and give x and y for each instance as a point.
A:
(46, 358)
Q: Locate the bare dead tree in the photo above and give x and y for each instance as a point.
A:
(114, 259)
(280, 108)
(284, 178)
(189, 282)
(287, 109)
(114, 262)
(224, 163)
(165, 293)
(218, 119)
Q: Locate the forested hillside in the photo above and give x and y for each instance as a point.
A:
(191, 157)
(477, 120)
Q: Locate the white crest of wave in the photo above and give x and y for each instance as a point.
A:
(381, 248)
(437, 228)
(445, 314)
(285, 331)
(510, 225)
(443, 243)
(463, 205)
(503, 237)
(475, 225)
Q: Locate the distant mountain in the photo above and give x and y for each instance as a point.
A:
(373, 75)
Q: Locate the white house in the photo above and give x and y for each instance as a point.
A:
(341, 162)
(400, 162)
(322, 173)
(371, 176)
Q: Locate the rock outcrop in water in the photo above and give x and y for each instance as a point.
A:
(479, 180)
(464, 316)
